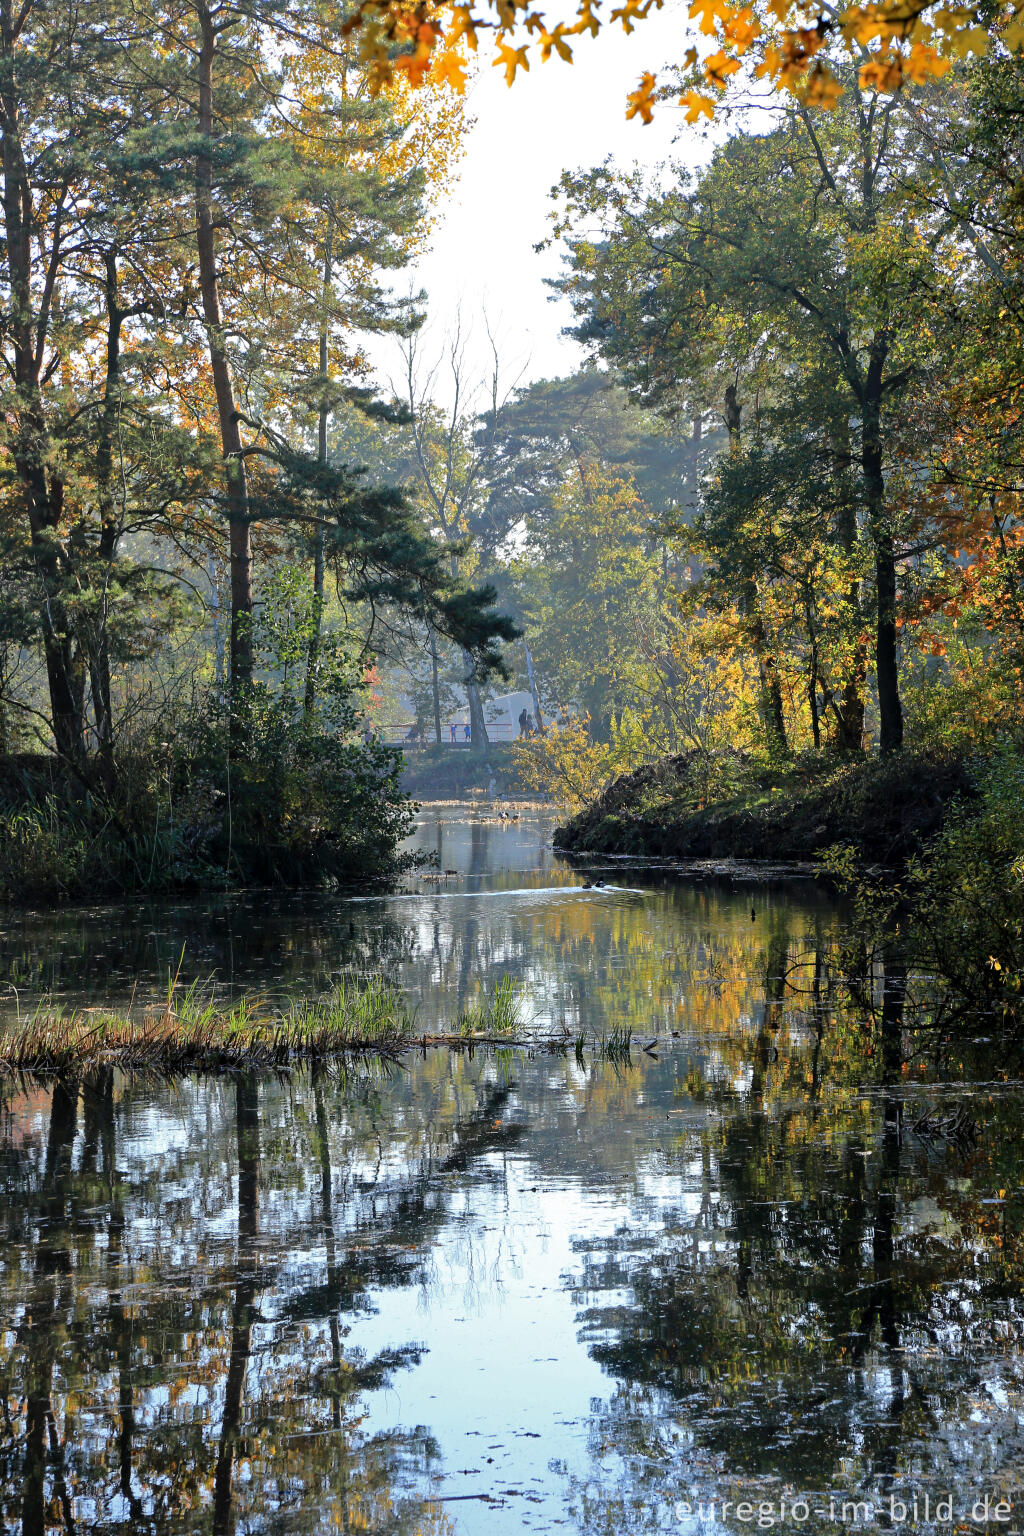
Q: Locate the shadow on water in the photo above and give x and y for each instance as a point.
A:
(526, 1291)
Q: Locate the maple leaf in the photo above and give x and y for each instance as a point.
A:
(923, 64)
(770, 65)
(710, 12)
(416, 65)
(718, 68)
(555, 39)
(463, 25)
(742, 29)
(696, 104)
(882, 74)
(511, 59)
(448, 70)
(639, 101)
(969, 40)
(823, 89)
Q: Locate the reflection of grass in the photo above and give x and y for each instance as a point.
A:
(617, 1043)
(190, 1031)
(497, 1015)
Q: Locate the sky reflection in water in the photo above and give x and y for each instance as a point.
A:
(583, 1290)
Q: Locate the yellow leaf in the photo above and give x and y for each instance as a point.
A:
(770, 65)
(710, 12)
(882, 74)
(822, 89)
(463, 25)
(718, 68)
(555, 39)
(639, 101)
(448, 70)
(970, 40)
(923, 64)
(742, 29)
(696, 103)
(511, 59)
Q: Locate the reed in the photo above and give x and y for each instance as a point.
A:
(191, 1031)
(497, 1015)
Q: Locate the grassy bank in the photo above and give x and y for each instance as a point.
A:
(889, 809)
(190, 1032)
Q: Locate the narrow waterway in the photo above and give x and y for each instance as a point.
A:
(720, 1283)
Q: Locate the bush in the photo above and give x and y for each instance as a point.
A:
(967, 895)
(273, 789)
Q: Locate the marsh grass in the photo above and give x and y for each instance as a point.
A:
(191, 1031)
(617, 1044)
(497, 1015)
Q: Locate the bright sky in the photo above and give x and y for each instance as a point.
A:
(558, 116)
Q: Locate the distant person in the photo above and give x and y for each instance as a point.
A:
(452, 729)
(469, 733)
(524, 723)
(531, 726)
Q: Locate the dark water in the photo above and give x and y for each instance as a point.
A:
(517, 1291)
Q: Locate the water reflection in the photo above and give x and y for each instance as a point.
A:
(576, 1294)
(514, 907)
(523, 1291)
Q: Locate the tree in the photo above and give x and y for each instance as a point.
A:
(793, 250)
(449, 466)
(795, 48)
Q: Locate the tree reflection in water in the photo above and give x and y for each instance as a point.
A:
(785, 1286)
(833, 1311)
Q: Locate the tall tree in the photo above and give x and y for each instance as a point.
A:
(793, 244)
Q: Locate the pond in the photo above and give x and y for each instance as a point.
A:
(733, 1281)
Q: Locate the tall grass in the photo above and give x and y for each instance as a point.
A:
(191, 1031)
(500, 1014)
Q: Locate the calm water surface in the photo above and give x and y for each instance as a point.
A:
(516, 1291)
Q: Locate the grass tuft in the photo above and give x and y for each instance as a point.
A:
(191, 1032)
(497, 1015)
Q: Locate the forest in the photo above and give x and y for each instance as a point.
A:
(762, 547)
(511, 876)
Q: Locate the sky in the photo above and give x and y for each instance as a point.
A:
(557, 117)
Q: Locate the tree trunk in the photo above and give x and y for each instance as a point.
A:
(477, 725)
(435, 688)
(890, 709)
(236, 482)
(313, 650)
(243, 1310)
(849, 710)
(535, 696)
(770, 703)
(812, 675)
(43, 489)
(99, 642)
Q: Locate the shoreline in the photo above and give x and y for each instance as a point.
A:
(888, 809)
